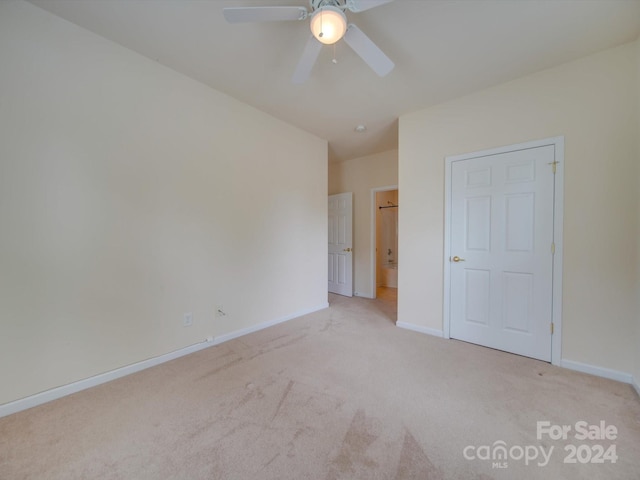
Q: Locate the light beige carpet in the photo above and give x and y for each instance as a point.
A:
(338, 394)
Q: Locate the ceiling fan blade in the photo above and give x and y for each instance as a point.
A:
(368, 51)
(362, 5)
(263, 14)
(307, 61)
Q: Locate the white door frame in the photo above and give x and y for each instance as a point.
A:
(556, 313)
(374, 258)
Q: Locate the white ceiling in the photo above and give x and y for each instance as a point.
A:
(442, 49)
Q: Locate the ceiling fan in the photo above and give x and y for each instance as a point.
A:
(328, 24)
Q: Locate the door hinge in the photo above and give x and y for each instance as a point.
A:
(551, 328)
(553, 248)
(553, 165)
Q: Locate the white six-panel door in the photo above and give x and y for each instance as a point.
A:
(340, 244)
(501, 251)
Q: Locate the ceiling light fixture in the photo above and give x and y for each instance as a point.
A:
(328, 24)
(361, 128)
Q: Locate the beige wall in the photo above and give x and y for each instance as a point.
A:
(129, 195)
(359, 176)
(593, 103)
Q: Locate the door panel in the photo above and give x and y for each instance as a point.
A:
(517, 301)
(478, 216)
(477, 298)
(502, 232)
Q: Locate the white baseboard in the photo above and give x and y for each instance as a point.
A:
(245, 331)
(363, 295)
(64, 390)
(569, 364)
(634, 384)
(59, 392)
(420, 329)
(599, 371)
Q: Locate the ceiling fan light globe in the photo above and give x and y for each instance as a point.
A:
(328, 24)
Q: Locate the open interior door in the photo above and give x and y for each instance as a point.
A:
(341, 244)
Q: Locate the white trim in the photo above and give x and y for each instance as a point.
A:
(556, 314)
(62, 391)
(373, 261)
(420, 329)
(599, 371)
(261, 326)
(362, 295)
(558, 239)
(634, 384)
(59, 392)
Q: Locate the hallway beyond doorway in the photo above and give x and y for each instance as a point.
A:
(387, 301)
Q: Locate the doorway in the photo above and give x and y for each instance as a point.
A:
(384, 247)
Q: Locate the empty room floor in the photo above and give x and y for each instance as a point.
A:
(337, 394)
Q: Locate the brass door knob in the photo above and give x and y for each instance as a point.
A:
(347, 250)
(457, 259)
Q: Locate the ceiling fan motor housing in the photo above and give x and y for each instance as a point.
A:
(317, 4)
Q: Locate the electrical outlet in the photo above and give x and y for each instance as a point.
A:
(187, 320)
(220, 311)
